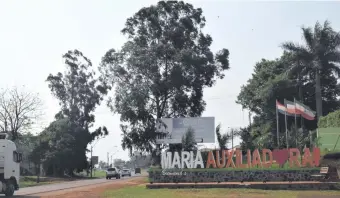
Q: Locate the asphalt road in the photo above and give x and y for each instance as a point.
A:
(23, 192)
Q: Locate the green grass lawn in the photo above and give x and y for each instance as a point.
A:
(28, 181)
(33, 183)
(99, 174)
(140, 191)
(95, 174)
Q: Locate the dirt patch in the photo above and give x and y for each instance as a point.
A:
(94, 191)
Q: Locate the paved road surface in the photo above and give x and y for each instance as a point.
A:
(64, 185)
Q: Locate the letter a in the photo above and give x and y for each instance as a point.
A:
(211, 160)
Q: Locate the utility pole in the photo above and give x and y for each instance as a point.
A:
(231, 132)
(108, 160)
(249, 117)
(232, 138)
(91, 161)
(111, 161)
(39, 166)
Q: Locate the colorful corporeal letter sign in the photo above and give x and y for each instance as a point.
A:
(187, 160)
(234, 158)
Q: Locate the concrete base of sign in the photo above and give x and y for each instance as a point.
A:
(210, 175)
(306, 185)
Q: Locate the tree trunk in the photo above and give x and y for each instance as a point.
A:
(156, 157)
(55, 170)
(38, 172)
(318, 97)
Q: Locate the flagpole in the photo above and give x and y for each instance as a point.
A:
(286, 128)
(277, 127)
(296, 141)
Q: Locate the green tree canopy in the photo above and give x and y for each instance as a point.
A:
(161, 70)
(330, 120)
(79, 93)
(274, 80)
(268, 83)
(57, 148)
(318, 58)
(302, 72)
(189, 141)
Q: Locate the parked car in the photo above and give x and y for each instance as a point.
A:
(113, 172)
(126, 172)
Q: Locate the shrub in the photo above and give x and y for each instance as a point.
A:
(331, 120)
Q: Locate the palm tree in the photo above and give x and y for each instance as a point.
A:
(188, 140)
(320, 53)
(222, 139)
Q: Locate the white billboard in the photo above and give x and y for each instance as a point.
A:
(174, 129)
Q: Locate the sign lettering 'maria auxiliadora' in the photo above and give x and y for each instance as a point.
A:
(234, 158)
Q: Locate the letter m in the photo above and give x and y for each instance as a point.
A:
(166, 160)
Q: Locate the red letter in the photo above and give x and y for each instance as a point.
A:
(316, 156)
(294, 158)
(218, 160)
(211, 160)
(307, 158)
(266, 163)
(239, 159)
(230, 162)
(256, 158)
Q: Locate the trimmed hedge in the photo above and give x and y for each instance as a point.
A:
(330, 120)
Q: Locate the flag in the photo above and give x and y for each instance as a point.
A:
(305, 111)
(291, 108)
(280, 107)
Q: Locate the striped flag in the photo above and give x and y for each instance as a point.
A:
(291, 108)
(305, 111)
(280, 107)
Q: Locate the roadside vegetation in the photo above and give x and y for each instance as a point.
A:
(29, 181)
(95, 174)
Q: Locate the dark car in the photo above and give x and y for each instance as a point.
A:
(137, 171)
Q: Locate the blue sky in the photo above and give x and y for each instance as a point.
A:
(34, 35)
